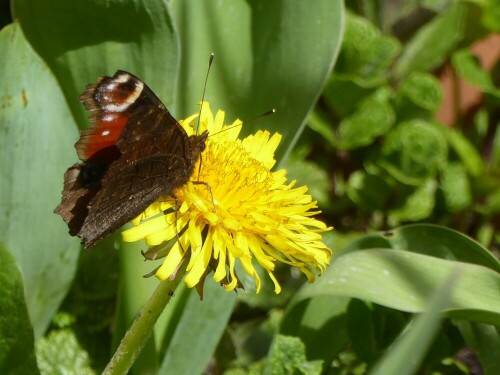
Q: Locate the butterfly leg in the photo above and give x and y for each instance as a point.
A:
(209, 192)
(176, 200)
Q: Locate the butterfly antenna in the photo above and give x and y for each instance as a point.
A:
(246, 122)
(210, 61)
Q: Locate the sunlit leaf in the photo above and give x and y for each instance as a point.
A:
(36, 139)
(17, 355)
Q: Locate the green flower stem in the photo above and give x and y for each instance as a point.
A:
(137, 335)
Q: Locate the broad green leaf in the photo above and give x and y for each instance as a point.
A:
(405, 281)
(361, 330)
(198, 330)
(17, 351)
(89, 309)
(433, 42)
(407, 353)
(429, 239)
(134, 291)
(91, 39)
(314, 320)
(36, 142)
(268, 55)
(368, 241)
(485, 340)
(83, 40)
(414, 151)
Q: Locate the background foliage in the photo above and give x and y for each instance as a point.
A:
(402, 294)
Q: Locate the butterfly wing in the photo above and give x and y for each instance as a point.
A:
(151, 165)
(134, 152)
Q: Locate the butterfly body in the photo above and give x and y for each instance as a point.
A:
(134, 153)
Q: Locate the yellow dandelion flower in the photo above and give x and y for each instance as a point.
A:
(240, 212)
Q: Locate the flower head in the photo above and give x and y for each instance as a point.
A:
(234, 209)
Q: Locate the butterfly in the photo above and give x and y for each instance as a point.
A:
(134, 153)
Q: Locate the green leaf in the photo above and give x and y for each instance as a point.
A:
(36, 139)
(362, 66)
(405, 281)
(321, 124)
(429, 239)
(87, 39)
(134, 291)
(61, 353)
(485, 340)
(434, 5)
(78, 52)
(419, 95)
(494, 159)
(433, 42)
(469, 68)
(342, 95)
(361, 330)
(366, 53)
(198, 328)
(400, 281)
(419, 238)
(468, 154)
(416, 204)
(17, 354)
(259, 46)
(491, 204)
(313, 320)
(491, 14)
(287, 356)
(368, 191)
(311, 175)
(456, 187)
(407, 353)
(414, 151)
(373, 118)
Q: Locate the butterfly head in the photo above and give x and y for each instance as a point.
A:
(198, 143)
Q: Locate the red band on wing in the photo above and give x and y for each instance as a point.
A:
(104, 134)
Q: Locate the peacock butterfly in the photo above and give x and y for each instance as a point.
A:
(134, 153)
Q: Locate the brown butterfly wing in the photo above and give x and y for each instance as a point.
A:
(75, 199)
(151, 165)
(134, 153)
(110, 103)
